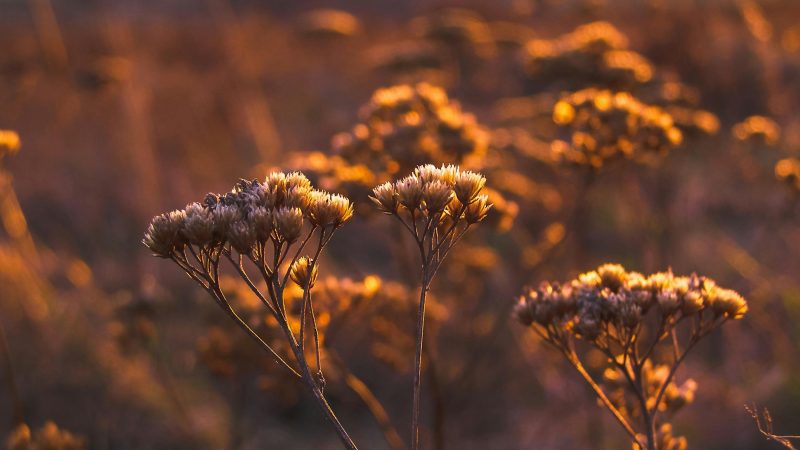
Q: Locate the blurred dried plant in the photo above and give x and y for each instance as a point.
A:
(48, 437)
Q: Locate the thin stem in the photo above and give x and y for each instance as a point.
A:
(573, 359)
(16, 402)
(372, 403)
(424, 286)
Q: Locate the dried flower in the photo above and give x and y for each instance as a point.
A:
(304, 272)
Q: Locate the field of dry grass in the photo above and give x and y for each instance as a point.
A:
(658, 135)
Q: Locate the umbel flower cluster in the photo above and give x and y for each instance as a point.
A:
(264, 226)
(436, 205)
(626, 315)
(594, 52)
(603, 126)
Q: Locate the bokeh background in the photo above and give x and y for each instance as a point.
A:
(126, 109)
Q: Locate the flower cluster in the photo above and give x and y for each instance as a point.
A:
(608, 302)
(443, 196)
(760, 129)
(625, 316)
(406, 125)
(253, 214)
(594, 52)
(48, 437)
(604, 126)
(787, 170)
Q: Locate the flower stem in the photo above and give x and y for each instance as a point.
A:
(418, 362)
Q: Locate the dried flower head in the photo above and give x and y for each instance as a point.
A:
(304, 272)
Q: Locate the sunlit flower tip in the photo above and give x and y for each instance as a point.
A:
(409, 192)
(428, 173)
(330, 209)
(468, 185)
(242, 236)
(612, 276)
(198, 227)
(262, 223)
(276, 182)
(728, 303)
(288, 223)
(385, 196)
(298, 197)
(304, 272)
(449, 172)
(297, 180)
(692, 303)
(162, 236)
(478, 209)
(436, 196)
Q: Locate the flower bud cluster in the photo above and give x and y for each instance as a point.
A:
(405, 125)
(251, 214)
(611, 298)
(436, 193)
(603, 126)
(594, 52)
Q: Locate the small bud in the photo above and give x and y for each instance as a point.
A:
(289, 223)
(304, 272)
(668, 301)
(478, 209)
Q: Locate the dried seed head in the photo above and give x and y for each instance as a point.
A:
(297, 180)
(242, 236)
(298, 197)
(198, 228)
(162, 235)
(304, 272)
(409, 192)
(223, 216)
(436, 196)
(263, 223)
(385, 196)
(468, 185)
(288, 223)
(725, 302)
(330, 209)
(428, 173)
(478, 209)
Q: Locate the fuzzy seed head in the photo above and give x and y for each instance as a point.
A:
(385, 196)
(162, 235)
(289, 223)
(304, 272)
(478, 209)
(468, 185)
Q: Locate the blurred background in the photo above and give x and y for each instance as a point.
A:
(127, 109)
